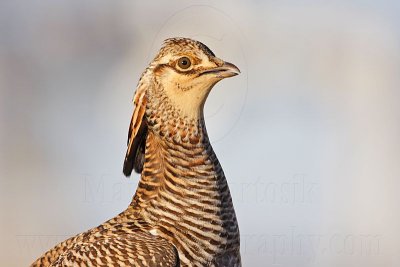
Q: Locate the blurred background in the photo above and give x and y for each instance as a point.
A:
(308, 134)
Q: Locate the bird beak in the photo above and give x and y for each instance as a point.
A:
(225, 71)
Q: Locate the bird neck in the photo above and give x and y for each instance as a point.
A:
(180, 171)
(184, 195)
(180, 163)
(182, 185)
(179, 154)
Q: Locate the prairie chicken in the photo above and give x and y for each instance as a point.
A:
(182, 213)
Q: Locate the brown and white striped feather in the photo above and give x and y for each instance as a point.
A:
(120, 249)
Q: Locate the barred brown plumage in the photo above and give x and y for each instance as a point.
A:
(182, 212)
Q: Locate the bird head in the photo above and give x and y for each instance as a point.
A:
(188, 70)
(170, 96)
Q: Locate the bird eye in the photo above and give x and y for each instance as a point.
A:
(184, 63)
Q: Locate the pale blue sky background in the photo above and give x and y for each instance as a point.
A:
(307, 134)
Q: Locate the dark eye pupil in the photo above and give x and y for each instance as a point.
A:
(184, 63)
